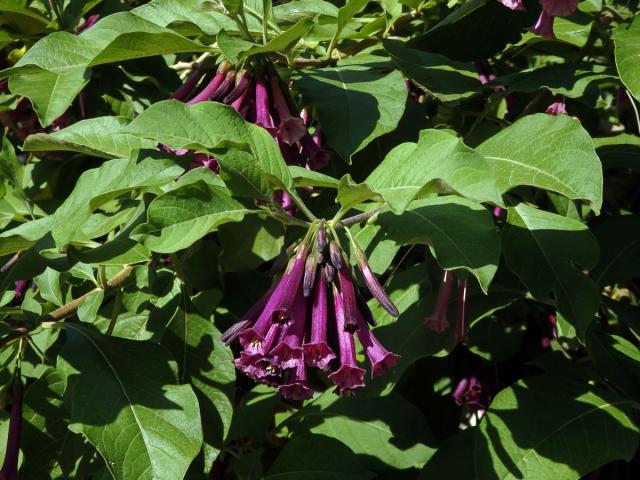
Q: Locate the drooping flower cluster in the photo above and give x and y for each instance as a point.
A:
(438, 321)
(258, 94)
(310, 318)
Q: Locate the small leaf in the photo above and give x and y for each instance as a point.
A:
(49, 286)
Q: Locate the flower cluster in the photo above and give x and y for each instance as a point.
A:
(309, 319)
(257, 93)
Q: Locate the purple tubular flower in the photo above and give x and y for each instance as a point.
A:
(242, 84)
(291, 128)
(317, 157)
(544, 26)
(263, 115)
(288, 352)
(225, 86)
(88, 23)
(348, 299)
(317, 352)
(349, 376)
(297, 386)
(292, 288)
(309, 274)
(374, 285)
(212, 86)
(247, 320)
(381, 359)
(513, 4)
(9, 470)
(558, 107)
(187, 87)
(21, 287)
(559, 8)
(460, 333)
(244, 99)
(437, 321)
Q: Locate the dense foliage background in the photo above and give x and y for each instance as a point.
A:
(161, 160)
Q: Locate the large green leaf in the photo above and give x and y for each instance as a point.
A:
(178, 218)
(207, 364)
(627, 42)
(389, 430)
(460, 233)
(316, 457)
(124, 397)
(253, 163)
(100, 137)
(186, 16)
(436, 74)
(545, 251)
(550, 152)
(477, 30)
(355, 104)
(577, 428)
(619, 239)
(439, 162)
(54, 70)
(98, 185)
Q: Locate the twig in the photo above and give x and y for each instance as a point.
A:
(72, 307)
(361, 217)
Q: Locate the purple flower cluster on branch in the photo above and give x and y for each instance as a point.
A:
(550, 10)
(258, 94)
(309, 319)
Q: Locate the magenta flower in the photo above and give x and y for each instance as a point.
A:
(438, 321)
(513, 4)
(544, 26)
(290, 128)
(374, 285)
(296, 325)
(558, 107)
(559, 8)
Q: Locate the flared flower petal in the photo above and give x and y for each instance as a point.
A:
(558, 107)
(559, 8)
(381, 359)
(288, 352)
(297, 386)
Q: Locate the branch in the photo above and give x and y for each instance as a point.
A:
(361, 217)
(72, 307)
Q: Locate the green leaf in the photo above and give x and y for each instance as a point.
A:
(150, 426)
(248, 244)
(577, 428)
(10, 167)
(568, 79)
(48, 284)
(100, 137)
(351, 194)
(355, 104)
(436, 74)
(55, 69)
(303, 177)
(178, 218)
(617, 360)
(546, 151)
(316, 457)
(545, 251)
(254, 160)
(99, 185)
(189, 17)
(627, 41)
(460, 233)
(207, 364)
(619, 239)
(284, 41)
(389, 431)
(619, 151)
(477, 30)
(439, 162)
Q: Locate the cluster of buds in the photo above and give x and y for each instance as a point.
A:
(309, 318)
(258, 94)
(438, 321)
